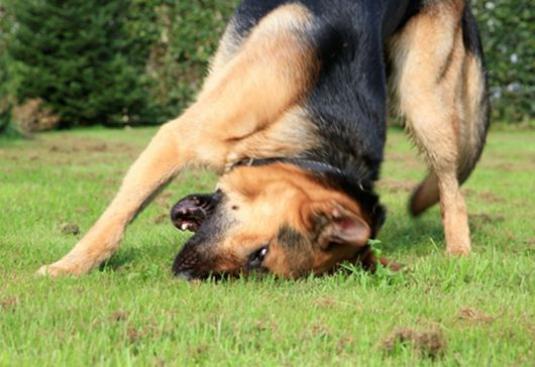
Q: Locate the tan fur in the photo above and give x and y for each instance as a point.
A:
(439, 92)
(291, 134)
(247, 93)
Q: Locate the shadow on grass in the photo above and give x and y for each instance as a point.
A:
(123, 259)
(120, 260)
(403, 235)
(425, 233)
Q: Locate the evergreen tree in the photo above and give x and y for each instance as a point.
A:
(79, 57)
(5, 22)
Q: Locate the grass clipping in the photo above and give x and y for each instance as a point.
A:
(427, 343)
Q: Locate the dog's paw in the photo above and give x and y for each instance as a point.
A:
(55, 271)
(458, 251)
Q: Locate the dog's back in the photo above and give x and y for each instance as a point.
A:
(348, 101)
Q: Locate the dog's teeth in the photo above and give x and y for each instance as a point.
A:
(184, 226)
(263, 252)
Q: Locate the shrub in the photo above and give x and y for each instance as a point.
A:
(78, 58)
(189, 35)
(508, 33)
(5, 26)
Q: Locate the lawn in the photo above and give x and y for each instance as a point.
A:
(473, 311)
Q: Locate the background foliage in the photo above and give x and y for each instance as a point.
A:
(137, 61)
(79, 58)
(508, 33)
(5, 25)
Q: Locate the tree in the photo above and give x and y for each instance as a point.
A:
(5, 26)
(79, 57)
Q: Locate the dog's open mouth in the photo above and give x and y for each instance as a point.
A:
(189, 213)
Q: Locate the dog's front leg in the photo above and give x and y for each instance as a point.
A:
(167, 153)
(269, 76)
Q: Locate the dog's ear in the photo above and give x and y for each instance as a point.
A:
(334, 224)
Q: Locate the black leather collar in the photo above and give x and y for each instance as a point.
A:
(307, 164)
(355, 187)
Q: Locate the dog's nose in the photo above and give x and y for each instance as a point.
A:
(184, 207)
(188, 214)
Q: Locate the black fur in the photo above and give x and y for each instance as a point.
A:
(348, 101)
(214, 226)
(292, 238)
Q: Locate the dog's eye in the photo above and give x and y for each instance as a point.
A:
(257, 257)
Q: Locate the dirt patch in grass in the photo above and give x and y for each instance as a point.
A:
(325, 302)
(319, 330)
(483, 219)
(161, 218)
(134, 335)
(198, 352)
(9, 157)
(79, 147)
(269, 326)
(71, 151)
(164, 199)
(8, 304)
(486, 196)
(409, 160)
(530, 245)
(490, 198)
(427, 343)
(75, 145)
(69, 229)
(86, 152)
(118, 316)
(526, 163)
(473, 315)
(345, 342)
(396, 186)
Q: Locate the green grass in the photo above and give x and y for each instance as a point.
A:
(473, 311)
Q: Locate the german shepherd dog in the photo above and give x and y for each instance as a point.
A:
(293, 117)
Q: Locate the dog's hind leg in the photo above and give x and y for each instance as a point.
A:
(440, 83)
(271, 72)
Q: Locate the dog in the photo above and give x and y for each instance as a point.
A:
(293, 117)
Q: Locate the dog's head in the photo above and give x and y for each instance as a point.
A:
(276, 218)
